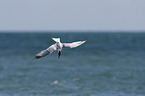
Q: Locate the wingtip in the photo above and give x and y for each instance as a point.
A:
(37, 57)
(84, 41)
(34, 58)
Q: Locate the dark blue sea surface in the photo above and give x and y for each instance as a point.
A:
(108, 64)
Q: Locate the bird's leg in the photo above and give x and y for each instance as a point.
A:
(59, 53)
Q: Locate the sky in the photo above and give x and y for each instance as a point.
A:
(72, 15)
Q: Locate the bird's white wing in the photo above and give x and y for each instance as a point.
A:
(73, 44)
(46, 52)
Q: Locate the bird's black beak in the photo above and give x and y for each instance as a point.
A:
(59, 53)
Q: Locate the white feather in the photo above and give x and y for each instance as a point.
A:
(56, 39)
(57, 46)
(73, 44)
(46, 52)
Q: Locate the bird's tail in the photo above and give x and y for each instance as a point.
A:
(56, 39)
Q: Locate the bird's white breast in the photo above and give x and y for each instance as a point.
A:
(59, 46)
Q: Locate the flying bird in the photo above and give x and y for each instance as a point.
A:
(57, 46)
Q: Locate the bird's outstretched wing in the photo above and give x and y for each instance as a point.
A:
(73, 44)
(46, 51)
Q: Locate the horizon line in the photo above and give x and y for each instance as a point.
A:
(70, 31)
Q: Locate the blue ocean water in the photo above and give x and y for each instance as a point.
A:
(108, 64)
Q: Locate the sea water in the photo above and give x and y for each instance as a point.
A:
(108, 64)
